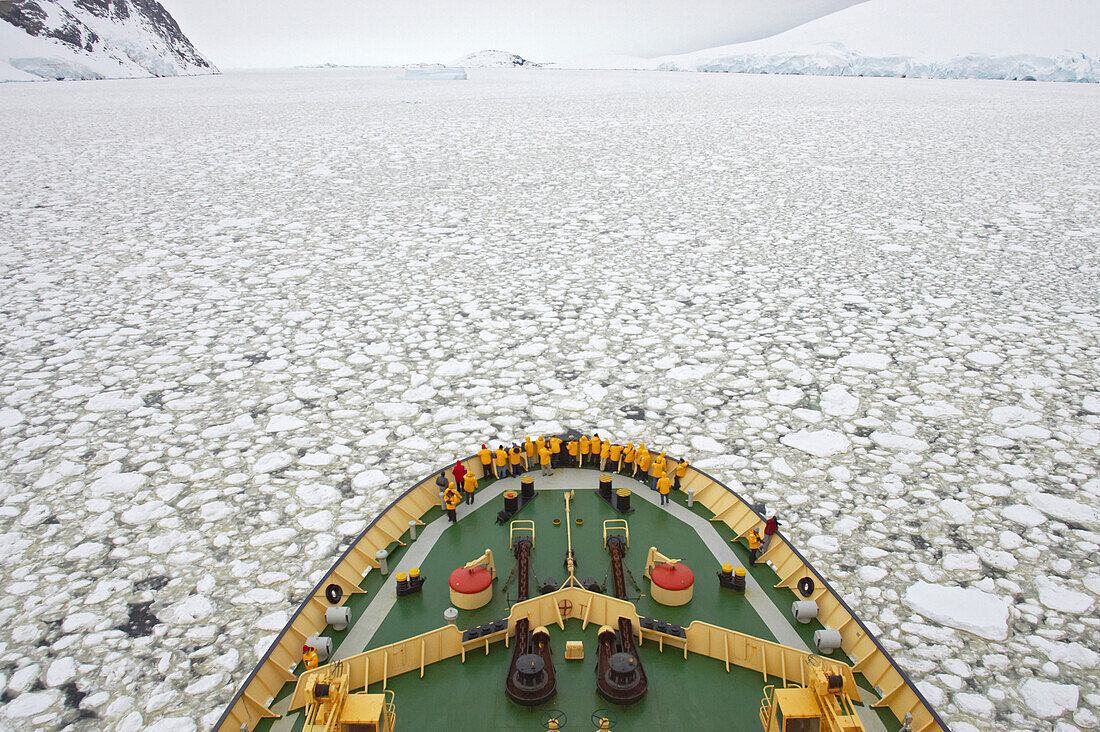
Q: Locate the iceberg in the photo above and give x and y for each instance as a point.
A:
(435, 72)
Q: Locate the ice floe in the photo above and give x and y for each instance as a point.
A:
(969, 609)
(209, 384)
(819, 443)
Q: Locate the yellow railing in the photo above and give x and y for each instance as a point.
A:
(766, 706)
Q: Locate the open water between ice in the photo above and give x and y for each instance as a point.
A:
(241, 313)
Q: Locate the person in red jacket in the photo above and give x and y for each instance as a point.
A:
(459, 471)
(770, 527)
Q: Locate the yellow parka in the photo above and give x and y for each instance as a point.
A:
(451, 497)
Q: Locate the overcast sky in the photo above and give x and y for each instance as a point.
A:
(272, 33)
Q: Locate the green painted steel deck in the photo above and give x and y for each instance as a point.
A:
(694, 693)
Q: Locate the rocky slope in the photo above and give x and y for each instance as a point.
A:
(93, 39)
(494, 59)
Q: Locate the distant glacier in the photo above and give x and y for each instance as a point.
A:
(836, 60)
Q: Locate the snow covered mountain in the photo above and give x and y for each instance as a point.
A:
(981, 39)
(93, 39)
(492, 59)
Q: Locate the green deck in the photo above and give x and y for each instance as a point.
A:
(696, 693)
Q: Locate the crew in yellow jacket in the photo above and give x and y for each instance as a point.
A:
(605, 453)
(663, 487)
(596, 445)
(469, 485)
(681, 471)
(615, 455)
(486, 457)
(574, 451)
(515, 455)
(544, 460)
(528, 453)
(585, 447)
(555, 452)
(451, 499)
(642, 460)
(628, 458)
(658, 468)
(502, 461)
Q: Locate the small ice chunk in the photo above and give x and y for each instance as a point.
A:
(976, 704)
(702, 443)
(836, 401)
(1048, 699)
(1025, 515)
(1013, 416)
(1065, 509)
(273, 537)
(316, 494)
(317, 459)
(284, 423)
(369, 479)
(271, 462)
(997, 558)
(61, 671)
(689, 373)
(955, 562)
(968, 609)
(1061, 598)
(10, 417)
(273, 621)
(828, 545)
(451, 368)
(984, 358)
(785, 397)
(113, 401)
(780, 466)
(871, 575)
(1074, 653)
(1091, 404)
(892, 441)
(866, 361)
(958, 511)
(819, 443)
(397, 410)
(30, 703)
(113, 483)
(190, 609)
